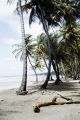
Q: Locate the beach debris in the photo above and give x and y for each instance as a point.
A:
(54, 101)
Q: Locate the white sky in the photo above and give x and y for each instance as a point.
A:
(10, 33)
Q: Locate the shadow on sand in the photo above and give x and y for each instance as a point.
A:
(64, 86)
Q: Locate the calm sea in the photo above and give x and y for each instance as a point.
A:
(8, 82)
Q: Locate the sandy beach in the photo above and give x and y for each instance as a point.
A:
(14, 107)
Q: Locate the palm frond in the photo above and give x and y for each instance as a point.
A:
(32, 15)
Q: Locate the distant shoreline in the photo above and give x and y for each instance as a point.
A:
(44, 73)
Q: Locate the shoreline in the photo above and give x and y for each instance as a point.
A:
(8, 83)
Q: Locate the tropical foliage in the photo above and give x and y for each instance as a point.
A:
(62, 49)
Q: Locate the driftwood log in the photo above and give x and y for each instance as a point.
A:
(37, 107)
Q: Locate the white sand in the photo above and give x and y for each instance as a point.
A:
(13, 107)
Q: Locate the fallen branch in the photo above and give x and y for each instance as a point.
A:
(64, 97)
(54, 102)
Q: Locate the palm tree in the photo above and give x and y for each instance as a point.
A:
(24, 51)
(22, 89)
(71, 33)
(71, 50)
(41, 50)
(30, 46)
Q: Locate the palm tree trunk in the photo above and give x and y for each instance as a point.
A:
(24, 76)
(49, 46)
(48, 76)
(46, 65)
(57, 82)
(56, 70)
(44, 61)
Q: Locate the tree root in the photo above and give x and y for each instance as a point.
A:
(21, 92)
(54, 102)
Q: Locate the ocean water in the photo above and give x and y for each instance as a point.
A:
(9, 82)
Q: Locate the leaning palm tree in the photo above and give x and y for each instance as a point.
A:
(41, 15)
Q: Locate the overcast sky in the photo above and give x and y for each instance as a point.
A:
(10, 34)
